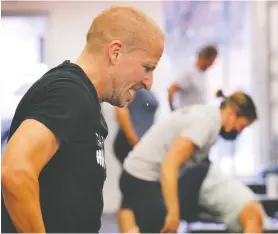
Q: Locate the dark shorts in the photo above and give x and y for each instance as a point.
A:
(146, 200)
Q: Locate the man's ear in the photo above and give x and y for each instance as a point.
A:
(114, 51)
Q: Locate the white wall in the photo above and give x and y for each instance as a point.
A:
(68, 23)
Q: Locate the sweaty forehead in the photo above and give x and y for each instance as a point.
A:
(153, 54)
(147, 56)
(153, 46)
(156, 48)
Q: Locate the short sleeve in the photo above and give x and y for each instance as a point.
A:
(60, 107)
(184, 80)
(199, 131)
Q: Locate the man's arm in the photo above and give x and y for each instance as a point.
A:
(194, 136)
(123, 118)
(28, 151)
(183, 82)
(52, 115)
(174, 88)
(179, 152)
(251, 218)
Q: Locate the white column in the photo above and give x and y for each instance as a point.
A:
(273, 75)
(261, 80)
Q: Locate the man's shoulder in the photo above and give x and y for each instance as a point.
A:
(65, 76)
(64, 88)
(188, 69)
(61, 74)
(187, 73)
(53, 85)
(206, 110)
(196, 109)
(199, 112)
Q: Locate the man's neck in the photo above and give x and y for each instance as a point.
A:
(91, 68)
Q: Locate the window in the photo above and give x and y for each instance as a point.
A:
(21, 50)
(22, 62)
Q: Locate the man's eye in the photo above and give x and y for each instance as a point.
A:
(148, 69)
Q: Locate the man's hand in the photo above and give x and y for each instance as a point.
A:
(179, 152)
(171, 224)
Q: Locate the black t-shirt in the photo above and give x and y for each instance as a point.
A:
(71, 184)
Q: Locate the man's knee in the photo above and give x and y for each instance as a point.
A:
(251, 217)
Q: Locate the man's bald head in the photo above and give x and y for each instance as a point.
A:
(125, 24)
(123, 48)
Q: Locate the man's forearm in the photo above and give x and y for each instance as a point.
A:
(130, 133)
(169, 182)
(23, 205)
(126, 125)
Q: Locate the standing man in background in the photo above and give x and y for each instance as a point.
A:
(53, 168)
(190, 84)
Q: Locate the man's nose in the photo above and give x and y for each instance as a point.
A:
(148, 81)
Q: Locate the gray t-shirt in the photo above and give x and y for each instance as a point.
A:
(199, 123)
(225, 197)
(192, 84)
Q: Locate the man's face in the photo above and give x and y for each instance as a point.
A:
(207, 63)
(241, 123)
(210, 61)
(133, 70)
(234, 126)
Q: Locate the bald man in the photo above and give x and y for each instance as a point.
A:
(53, 169)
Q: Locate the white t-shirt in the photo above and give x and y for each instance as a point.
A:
(200, 123)
(192, 84)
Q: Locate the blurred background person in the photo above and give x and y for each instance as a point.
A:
(153, 167)
(190, 84)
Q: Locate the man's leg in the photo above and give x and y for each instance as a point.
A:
(127, 222)
(126, 217)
